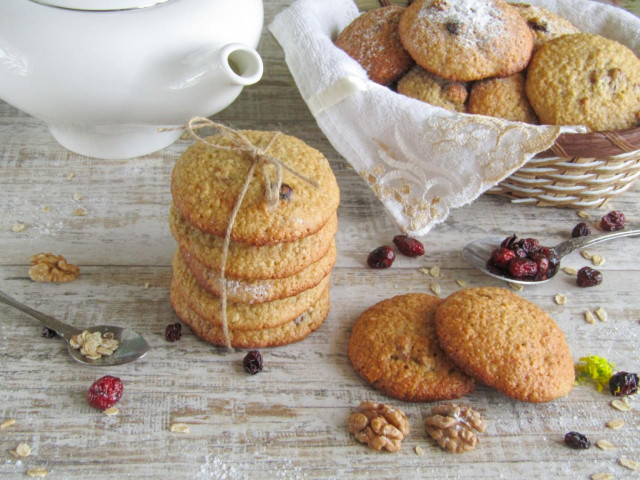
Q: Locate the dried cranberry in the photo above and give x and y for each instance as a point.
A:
(552, 256)
(509, 241)
(252, 362)
(173, 332)
(581, 230)
(523, 267)
(589, 277)
(408, 246)
(613, 221)
(530, 245)
(541, 261)
(501, 257)
(48, 333)
(105, 392)
(520, 253)
(286, 192)
(577, 440)
(623, 383)
(381, 257)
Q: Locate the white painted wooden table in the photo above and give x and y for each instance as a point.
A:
(288, 422)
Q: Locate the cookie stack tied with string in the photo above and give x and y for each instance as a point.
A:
(254, 215)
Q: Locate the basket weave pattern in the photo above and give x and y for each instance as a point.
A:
(580, 170)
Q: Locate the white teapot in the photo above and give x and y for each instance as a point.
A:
(108, 75)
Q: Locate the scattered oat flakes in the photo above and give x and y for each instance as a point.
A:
(17, 227)
(602, 314)
(77, 197)
(70, 176)
(179, 428)
(585, 254)
(419, 450)
(628, 463)
(434, 271)
(7, 423)
(94, 345)
(597, 260)
(23, 450)
(615, 424)
(516, 286)
(589, 318)
(583, 214)
(424, 270)
(146, 284)
(601, 476)
(79, 212)
(111, 411)
(37, 472)
(605, 445)
(621, 405)
(570, 271)
(461, 283)
(435, 288)
(560, 298)
(46, 209)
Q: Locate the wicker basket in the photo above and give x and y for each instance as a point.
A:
(579, 170)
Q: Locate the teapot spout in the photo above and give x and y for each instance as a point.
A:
(241, 64)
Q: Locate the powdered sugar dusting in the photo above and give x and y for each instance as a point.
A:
(477, 21)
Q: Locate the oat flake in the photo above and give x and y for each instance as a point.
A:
(560, 298)
(111, 411)
(78, 196)
(23, 450)
(37, 472)
(516, 286)
(628, 463)
(585, 254)
(7, 423)
(434, 271)
(620, 405)
(601, 476)
(597, 260)
(615, 424)
(179, 428)
(583, 214)
(435, 288)
(589, 318)
(79, 212)
(419, 450)
(70, 176)
(461, 283)
(602, 314)
(605, 445)
(46, 209)
(570, 271)
(17, 227)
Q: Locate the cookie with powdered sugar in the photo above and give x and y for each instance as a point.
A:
(544, 24)
(466, 40)
(372, 40)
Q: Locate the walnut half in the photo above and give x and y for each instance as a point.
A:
(452, 427)
(379, 426)
(47, 267)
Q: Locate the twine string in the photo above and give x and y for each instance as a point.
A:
(258, 157)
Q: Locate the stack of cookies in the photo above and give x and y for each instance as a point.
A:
(279, 257)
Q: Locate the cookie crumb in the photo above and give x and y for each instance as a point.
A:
(46, 209)
(146, 284)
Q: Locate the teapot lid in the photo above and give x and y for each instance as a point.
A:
(100, 5)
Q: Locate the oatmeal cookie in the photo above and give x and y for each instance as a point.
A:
(394, 347)
(466, 40)
(544, 24)
(373, 41)
(506, 342)
(420, 84)
(503, 98)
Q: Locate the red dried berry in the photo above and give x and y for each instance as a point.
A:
(105, 392)
(541, 261)
(381, 257)
(252, 362)
(552, 256)
(577, 440)
(613, 221)
(508, 242)
(173, 332)
(581, 230)
(623, 383)
(501, 257)
(523, 267)
(589, 277)
(530, 245)
(408, 246)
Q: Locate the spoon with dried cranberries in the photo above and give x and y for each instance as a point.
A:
(527, 262)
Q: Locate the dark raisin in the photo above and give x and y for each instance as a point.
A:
(381, 257)
(623, 383)
(589, 277)
(408, 246)
(509, 241)
(530, 245)
(252, 362)
(48, 333)
(577, 440)
(581, 230)
(173, 332)
(520, 253)
(552, 256)
(541, 261)
(454, 28)
(502, 256)
(286, 192)
(523, 267)
(613, 221)
(538, 26)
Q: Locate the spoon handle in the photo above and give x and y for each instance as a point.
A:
(575, 243)
(66, 331)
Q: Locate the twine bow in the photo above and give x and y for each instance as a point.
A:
(258, 157)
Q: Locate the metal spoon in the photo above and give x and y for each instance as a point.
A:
(132, 345)
(477, 253)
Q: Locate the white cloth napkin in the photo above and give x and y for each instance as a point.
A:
(419, 160)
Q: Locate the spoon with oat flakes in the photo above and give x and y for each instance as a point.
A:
(534, 263)
(101, 346)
